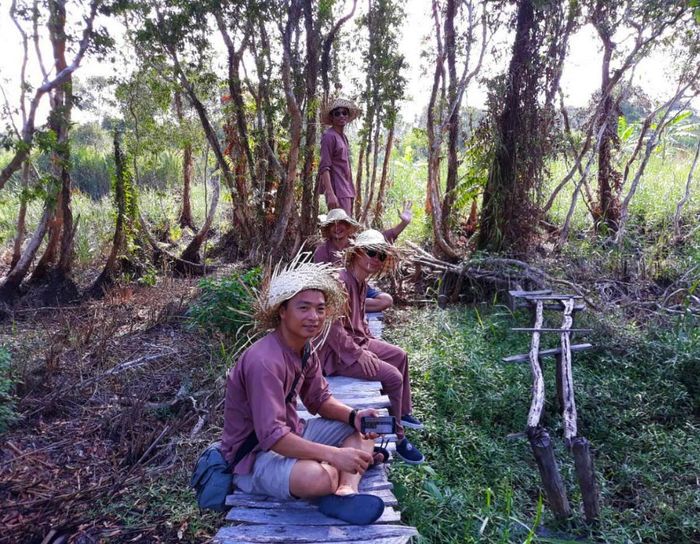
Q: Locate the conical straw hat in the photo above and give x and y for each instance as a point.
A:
(373, 239)
(336, 215)
(328, 107)
(284, 282)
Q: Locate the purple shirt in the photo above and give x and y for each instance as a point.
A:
(326, 253)
(349, 333)
(256, 390)
(335, 157)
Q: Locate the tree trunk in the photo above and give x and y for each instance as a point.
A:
(502, 211)
(608, 177)
(285, 192)
(432, 201)
(122, 186)
(327, 45)
(358, 183)
(21, 217)
(453, 119)
(185, 220)
(309, 193)
(379, 208)
(9, 289)
(191, 252)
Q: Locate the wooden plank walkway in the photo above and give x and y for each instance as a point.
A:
(258, 518)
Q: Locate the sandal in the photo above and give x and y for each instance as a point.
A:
(355, 509)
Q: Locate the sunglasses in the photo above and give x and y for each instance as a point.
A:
(339, 112)
(372, 253)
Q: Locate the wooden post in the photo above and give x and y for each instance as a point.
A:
(565, 374)
(533, 418)
(560, 385)
(585, 473)
(549, 472)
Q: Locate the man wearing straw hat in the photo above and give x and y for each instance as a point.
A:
(334, 168)
(337, 228)
(271, 450)
(350, 350)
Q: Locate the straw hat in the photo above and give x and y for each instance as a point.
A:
(284, 282)
(335, 216)
(330, 105)
(371, 239)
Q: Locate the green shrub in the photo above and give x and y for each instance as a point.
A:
(7, 400)
(225, 306)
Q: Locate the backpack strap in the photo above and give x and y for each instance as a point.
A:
(252, 439)
(304, 359)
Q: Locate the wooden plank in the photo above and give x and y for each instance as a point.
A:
(516, 293)
(295, 516)
(263, 501)
(545, 353)
(553, 296)
(547, 329)
(355, 386)
(310, 533)
(379, 401)
(389, 540)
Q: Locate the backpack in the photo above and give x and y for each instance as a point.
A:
(212, 478)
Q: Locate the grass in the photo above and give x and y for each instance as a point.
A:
(634, 406)
(96, 227)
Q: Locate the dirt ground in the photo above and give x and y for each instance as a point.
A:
(115, 396)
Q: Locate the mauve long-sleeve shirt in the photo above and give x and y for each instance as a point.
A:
(256, 391)
(349, 333)
(335, 157)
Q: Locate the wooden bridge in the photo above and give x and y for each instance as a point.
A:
(258, 518)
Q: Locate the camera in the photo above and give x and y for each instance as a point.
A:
(378, 425)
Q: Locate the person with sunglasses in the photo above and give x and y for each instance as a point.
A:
(351, 350)
(335, 172)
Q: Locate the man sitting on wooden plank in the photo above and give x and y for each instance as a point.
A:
(351, 350)
(271, 450)
(338, 228)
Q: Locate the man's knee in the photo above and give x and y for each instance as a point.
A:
(313, 479)
(390, 376)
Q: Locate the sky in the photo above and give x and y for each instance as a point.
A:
(580, 79)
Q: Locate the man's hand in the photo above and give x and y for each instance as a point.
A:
(332, 201)
(407, 214)
(369, 362)
(351, 460)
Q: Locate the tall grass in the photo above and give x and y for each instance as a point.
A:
(635, 404)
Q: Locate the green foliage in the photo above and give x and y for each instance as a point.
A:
(7, 400)
(225, 306)
(634, 399)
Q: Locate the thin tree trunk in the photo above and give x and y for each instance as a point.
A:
(308, 224)
(379, 208)
(21, 217)
(121, 187)
(285, 193)
(453, 116)
(358, 183)
(191, 252)
(326, 50)
(9, 288)
(185, 219)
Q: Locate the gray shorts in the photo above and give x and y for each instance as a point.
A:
(271, 470)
